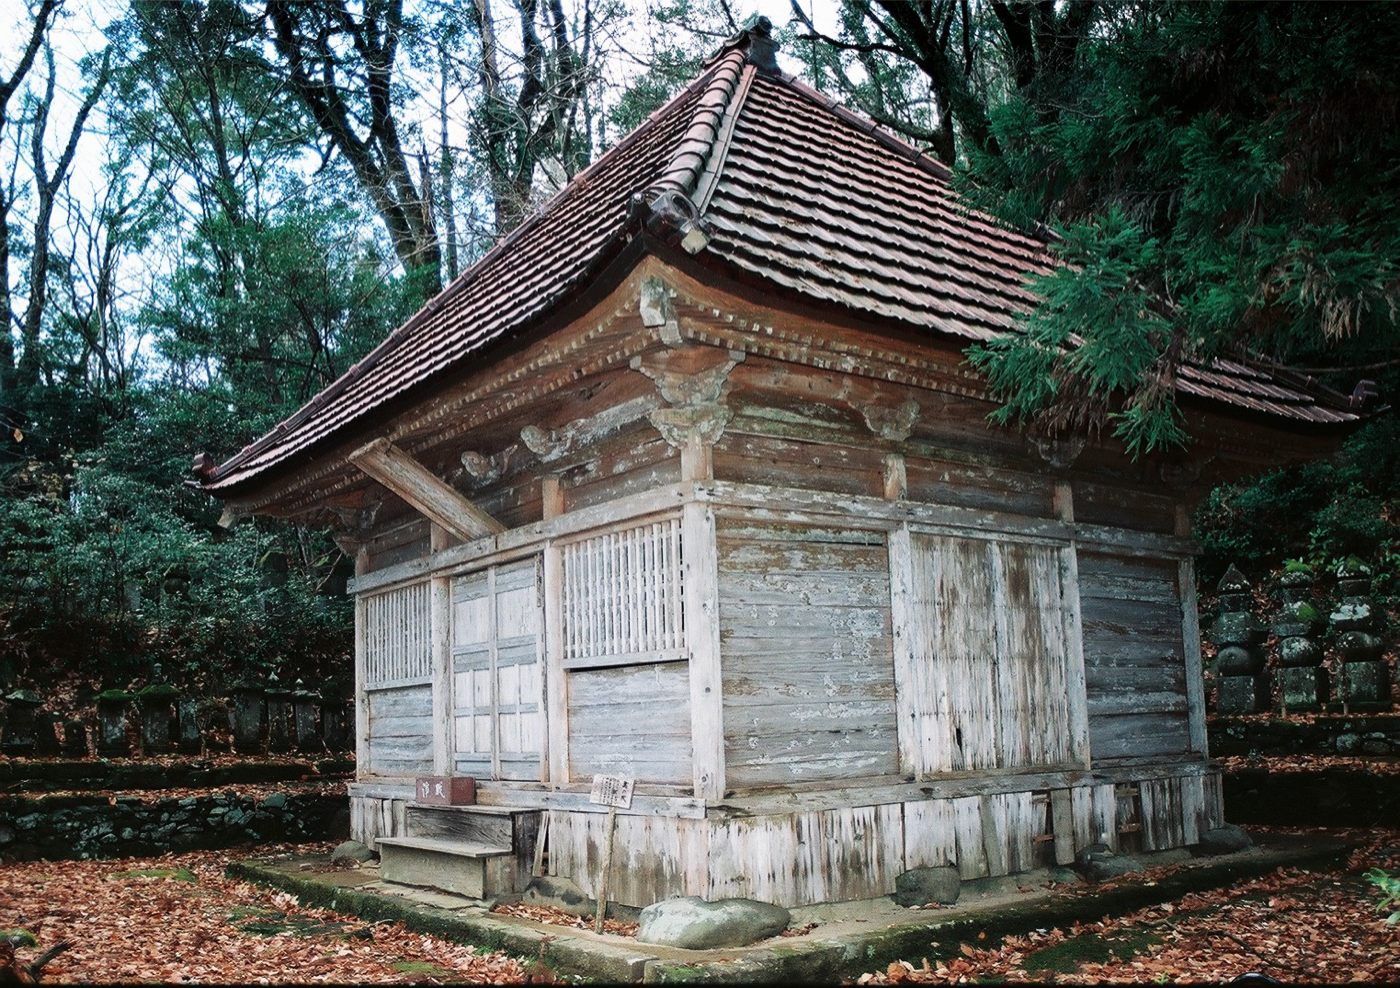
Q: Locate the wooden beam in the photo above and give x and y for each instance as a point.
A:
(551, 497)
(424, 490)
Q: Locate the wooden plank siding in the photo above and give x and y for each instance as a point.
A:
(630, 720)
(807, 655)
(857, 852)
(400, 731)
(1134, 664)
(987, 680)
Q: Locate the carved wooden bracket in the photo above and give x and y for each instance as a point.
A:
(1059, 452)
(679, 426)
(484, 469)
(694, 381)
(551, 444)
(894, 423)
(690, 376)
(425, 491)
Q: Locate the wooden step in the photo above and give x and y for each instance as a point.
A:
(495, 826)
(479, 871)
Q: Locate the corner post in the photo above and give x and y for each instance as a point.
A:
(361, 671)
(699, 552)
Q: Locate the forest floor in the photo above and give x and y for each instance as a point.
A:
(1294, 925)
(177, 918)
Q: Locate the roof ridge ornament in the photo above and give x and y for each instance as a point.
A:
(762, 49)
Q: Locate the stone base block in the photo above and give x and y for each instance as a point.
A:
(1303, 688)
(1242, 694)
(1364, 682)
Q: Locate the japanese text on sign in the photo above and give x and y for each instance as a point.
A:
(611, 790)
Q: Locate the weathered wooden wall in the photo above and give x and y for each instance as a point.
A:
(806, 652)
(988, 682)
(631, 720)
(375, 815)
(1134, 667)
(857, 852)
(400, 731)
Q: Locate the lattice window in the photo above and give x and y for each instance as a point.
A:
(622, 597)
(398, 647)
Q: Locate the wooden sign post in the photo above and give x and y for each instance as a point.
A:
(611, 791)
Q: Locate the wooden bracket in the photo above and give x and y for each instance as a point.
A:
(483, 468)
(894, 423)
(694, 381)
(1059, 452)
(551, 444)
(690, 376)
(424, 490)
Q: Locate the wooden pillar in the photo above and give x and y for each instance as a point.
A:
(1191, 650)
(701, 562)
(440, 642)
(896, 477)
(908, 653)
(551, 496)
(556, 684)
(361, 655)
(1075, 681)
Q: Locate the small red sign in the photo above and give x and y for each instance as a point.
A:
(446, 790)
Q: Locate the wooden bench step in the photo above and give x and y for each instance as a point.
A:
(479, 871)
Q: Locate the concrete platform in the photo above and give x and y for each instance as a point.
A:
(852, 937)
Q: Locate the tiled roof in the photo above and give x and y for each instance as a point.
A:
(794, 192)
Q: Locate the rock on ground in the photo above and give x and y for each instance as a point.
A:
(695, 924)
(1099, 863)
(350, 852)
(1225, 840)
(920, 886)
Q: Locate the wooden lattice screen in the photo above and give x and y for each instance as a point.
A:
(623, 599)
(397, 637)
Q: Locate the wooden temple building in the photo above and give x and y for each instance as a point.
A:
(687, 481)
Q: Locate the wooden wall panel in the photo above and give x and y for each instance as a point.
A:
(653, 857)
(401, 731)
(973, 486)
(988, 680)
(631, 720)
(807, 654)
(1104, 504)
(1134, 666)
(779, 462)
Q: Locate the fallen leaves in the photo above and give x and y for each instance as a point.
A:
(1293, 925)
(141, 919)
(558, 917)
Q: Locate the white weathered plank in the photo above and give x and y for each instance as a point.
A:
(702, 632)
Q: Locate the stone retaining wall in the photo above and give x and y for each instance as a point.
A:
(1323, 735)
(95, 825)
(51, 775)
